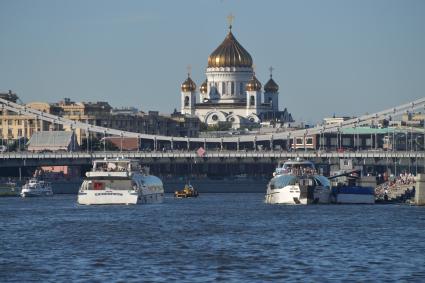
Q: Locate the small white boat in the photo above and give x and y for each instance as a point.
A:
(121, 181)
(36, 188)
(297, 182)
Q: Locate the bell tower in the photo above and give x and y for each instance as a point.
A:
(188, 96)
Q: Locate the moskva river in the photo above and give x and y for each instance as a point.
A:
(216, 237)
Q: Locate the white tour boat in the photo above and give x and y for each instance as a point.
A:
(297, 182)
(120, 181)
(35, 188)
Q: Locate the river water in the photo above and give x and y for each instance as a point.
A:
(216, 237)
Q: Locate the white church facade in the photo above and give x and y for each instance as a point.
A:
(231, 92)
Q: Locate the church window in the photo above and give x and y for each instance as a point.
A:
(232, 87)
(214, 117)
(186, 101)
(223, 85)
(252, 100)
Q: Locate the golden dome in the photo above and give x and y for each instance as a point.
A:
(253, 84)
(188, 85)
(271, 86)
(204, 87)
(229, 54)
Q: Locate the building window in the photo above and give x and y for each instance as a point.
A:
(241, 88)
(214, 117)
(19, 132)
(223, 88)
(232, 87)
(309, 141)
(346, 141)
(186, 101)
(252, 100)
(9, 122)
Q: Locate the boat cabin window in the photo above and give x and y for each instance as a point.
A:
(115, 166)
(299, 168)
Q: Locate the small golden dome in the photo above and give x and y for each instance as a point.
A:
(204, 87)
(253, 84)
(229, 54)
(271, 86)
(188, 85)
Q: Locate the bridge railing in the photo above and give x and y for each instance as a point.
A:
(211, 154)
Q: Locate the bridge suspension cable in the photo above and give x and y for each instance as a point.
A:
(354, 122)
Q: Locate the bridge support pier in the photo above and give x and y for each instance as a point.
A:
(420, 190)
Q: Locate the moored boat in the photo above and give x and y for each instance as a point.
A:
(188, 192)
(120, 181)
(297, 182)
(348, 188)
(36, 188)
(353, 195)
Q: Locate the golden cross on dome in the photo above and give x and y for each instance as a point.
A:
(230, 19)
(189, 70)
(271, 71)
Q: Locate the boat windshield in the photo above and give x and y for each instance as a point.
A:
(322, 180)
(291, 180)
(283, 181)
(296, 168)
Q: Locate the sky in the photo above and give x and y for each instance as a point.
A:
(342, 57)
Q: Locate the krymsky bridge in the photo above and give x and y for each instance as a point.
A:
(213, 146)
(367, 119)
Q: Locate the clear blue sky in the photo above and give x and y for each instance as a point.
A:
(330, 56)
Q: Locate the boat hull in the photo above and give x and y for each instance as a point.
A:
(355, 199)
(89, 197)
(26, 194)
(286, 195)
(353, 195)
(93, 197)
(297, 195)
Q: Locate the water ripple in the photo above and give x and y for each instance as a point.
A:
(217, 237)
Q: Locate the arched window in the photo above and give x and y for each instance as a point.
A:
(252, 100)
(186, 101)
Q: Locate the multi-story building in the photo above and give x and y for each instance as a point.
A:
(14, 126)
